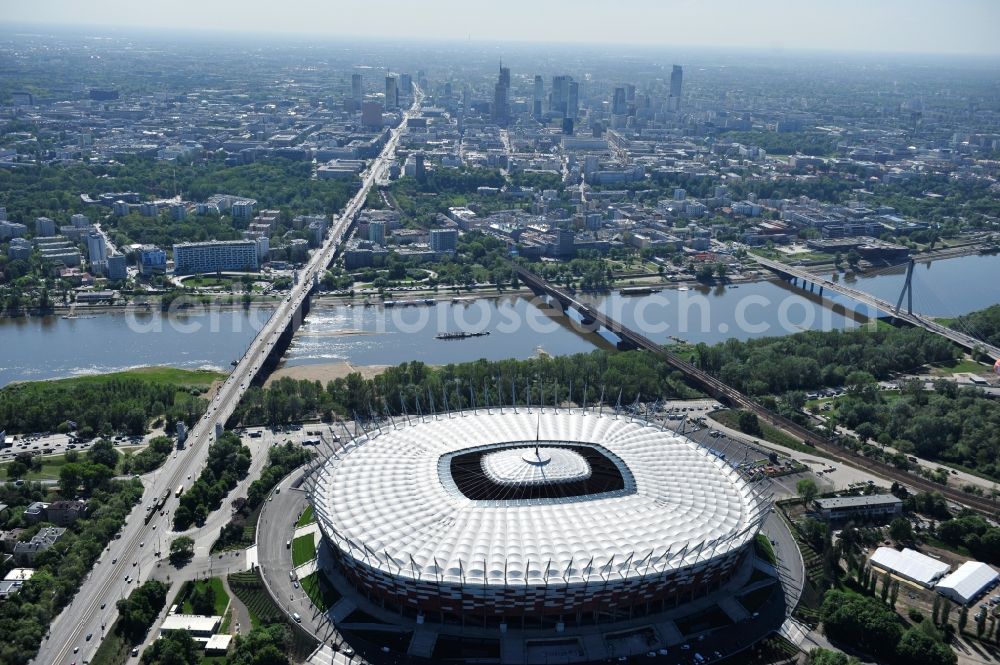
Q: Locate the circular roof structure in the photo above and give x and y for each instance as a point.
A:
(535, 466)
(531, 497)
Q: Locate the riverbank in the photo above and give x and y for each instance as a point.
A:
(324, 372)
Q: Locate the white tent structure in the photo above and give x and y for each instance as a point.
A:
(910, 565)
(965, 584)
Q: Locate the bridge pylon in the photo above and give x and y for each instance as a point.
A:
(907, 290)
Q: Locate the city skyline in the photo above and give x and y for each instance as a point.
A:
(889, 26)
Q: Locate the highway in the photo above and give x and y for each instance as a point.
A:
(94, 603)
(966, 341)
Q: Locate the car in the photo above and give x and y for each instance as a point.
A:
(154, 527)
(298, 619)
(76, 649)
(103, 605)
(295, 584)
(142, 544)
(89, 635)
(114, 561)
(135, 651)
(686, 647)
(135, 563)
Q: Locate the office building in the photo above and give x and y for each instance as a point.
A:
(405, 85)
(676, 78)
(573, 100)
(391, 94)
(371, 115)
(537, 97)
(97, 252)
(243, 209)
(420, 170)
(117, 267)
(501, 98)
(215, 256)
(356, 94)
(12, 230)
(19, 248)
(80, 221)
(376, 232)
(444, 240)
(559, 94)
(45, 227)
(618, 102)
(874, 507)
(152, 260)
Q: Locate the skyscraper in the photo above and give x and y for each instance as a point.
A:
(356, 95)
(573, 100)
(501, 94)
(391, 94)
(676, 78)
(538, 96)
(406, 84)
(560, 94)
(618, 102)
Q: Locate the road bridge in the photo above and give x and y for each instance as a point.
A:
(797, 273)
(94, 604)
(732, 397)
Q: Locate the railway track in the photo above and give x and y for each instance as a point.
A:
(734, 398)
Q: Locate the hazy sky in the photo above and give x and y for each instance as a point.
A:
(916, 26)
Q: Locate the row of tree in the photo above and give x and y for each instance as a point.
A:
(415, 387)
(228, 462)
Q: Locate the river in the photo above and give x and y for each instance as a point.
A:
(48, 347)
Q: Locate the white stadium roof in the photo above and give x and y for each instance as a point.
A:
(910, 564)
(392, 501)
(968, 581)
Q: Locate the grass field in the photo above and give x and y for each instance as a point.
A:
(183, 377)
(303, 549)
(249, 588)
(320, 591)
(221, 597)
(306, 517)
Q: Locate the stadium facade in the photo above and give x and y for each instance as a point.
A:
(533, 518)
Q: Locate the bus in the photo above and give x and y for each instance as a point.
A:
(180, 490)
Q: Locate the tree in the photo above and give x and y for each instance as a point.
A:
(820, 656)
(175, 648)
(963, 619)
(202, 598)
(901, 530)
(261, 646)
(181, 550)
(807, 490)
(861, 621)
(103, 452)
(69, 479)
(936, 610)
(137, 612)
(918, 648)
(748, 423)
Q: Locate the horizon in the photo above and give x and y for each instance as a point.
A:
(892, 27)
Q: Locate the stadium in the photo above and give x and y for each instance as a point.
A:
(533, 518)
